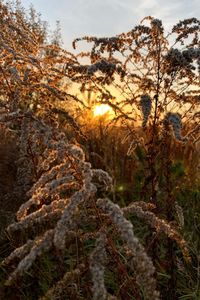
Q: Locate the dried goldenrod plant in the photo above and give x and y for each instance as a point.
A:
(68, 213)
(65, 187)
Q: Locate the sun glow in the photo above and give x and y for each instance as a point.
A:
(103, 109)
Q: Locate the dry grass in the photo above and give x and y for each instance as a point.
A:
(99, 209)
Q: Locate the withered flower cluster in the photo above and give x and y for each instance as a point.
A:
(67, 202)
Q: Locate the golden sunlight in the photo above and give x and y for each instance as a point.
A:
(103, 109)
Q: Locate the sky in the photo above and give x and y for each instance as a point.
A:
(105, 18)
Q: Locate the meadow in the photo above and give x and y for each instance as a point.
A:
(99, 162)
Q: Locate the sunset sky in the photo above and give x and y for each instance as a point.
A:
(109, 17)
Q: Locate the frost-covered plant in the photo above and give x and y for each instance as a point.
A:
(140, 75)
(62, 183)
(64, 180)
(31, 77)
(64, 189)
(163, 66)
(97, 262)
(61, 200)
(157, 95)
(139, 262)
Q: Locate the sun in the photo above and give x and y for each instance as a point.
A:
(102, 109)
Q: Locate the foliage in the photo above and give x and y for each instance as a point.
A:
(104, 209)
